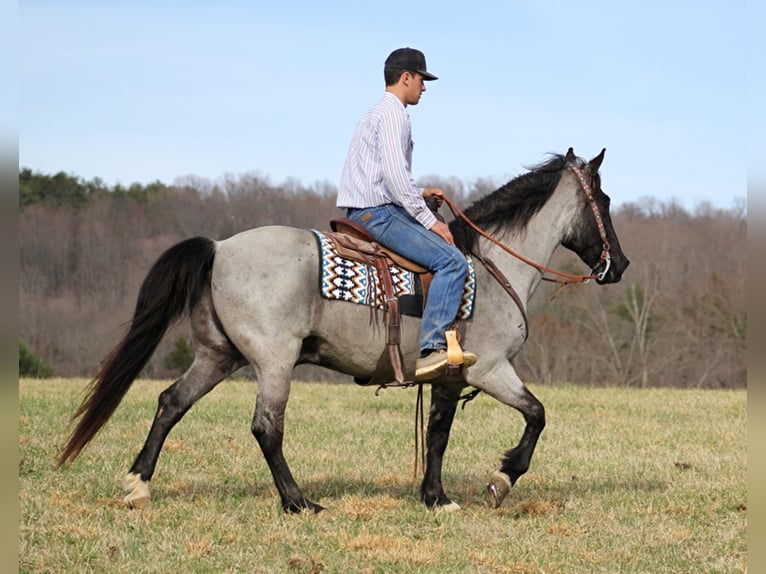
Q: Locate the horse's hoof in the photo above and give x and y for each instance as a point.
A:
(316, 508)
(139, 503)
(138, 492)
(498, 488)
(302, 506)
(451, 507)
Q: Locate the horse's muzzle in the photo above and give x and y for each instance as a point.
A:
(610, 271)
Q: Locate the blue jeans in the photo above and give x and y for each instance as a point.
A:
(394, 228)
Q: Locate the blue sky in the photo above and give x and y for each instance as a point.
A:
(143, 91)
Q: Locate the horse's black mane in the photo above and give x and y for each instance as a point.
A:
(512, 205)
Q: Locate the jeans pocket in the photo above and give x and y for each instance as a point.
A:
(378, 221)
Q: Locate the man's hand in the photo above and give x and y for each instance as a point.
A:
(442, 230)
(436, 193)
(440, 227)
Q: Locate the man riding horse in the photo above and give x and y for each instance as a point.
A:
(378, 192)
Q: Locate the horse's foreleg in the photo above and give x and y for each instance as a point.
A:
(204, 374)
(268, 429)
(442, 413)
(502, 383)
(516, 461)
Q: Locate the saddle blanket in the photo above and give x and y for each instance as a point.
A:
(345, 279)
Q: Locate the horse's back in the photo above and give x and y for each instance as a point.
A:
(277, 255)
(270, 238)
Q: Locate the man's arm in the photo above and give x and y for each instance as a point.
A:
(396, 170)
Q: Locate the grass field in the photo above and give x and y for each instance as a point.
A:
(622, 481)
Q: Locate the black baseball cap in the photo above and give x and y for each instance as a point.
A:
(409, 59)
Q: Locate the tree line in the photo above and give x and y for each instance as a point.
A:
(678, 318)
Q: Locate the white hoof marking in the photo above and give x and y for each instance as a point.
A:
(138, 492)
(498, 488)
(451, 507)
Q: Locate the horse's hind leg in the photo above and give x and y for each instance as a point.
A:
(268, 429)
(210, 367)
(444, 399)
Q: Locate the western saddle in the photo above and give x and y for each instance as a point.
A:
(353, 241)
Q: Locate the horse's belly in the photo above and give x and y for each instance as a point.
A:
(347, 338)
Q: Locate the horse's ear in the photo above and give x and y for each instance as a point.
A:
(595, 163)
(571, 157)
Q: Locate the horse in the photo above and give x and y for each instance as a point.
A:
(226, 289)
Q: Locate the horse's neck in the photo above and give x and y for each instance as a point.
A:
(537, 242)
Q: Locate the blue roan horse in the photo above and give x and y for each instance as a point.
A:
(238, 317)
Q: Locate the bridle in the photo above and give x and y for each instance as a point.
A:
(564, 278)
(605, 258)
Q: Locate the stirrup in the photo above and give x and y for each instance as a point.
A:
(454, 353)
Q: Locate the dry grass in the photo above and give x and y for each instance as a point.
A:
(623, 481)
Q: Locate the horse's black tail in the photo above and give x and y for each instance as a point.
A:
(172, 288)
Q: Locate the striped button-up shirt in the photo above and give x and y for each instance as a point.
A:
(378, 168)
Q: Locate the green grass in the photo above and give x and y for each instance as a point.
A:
(622, 481)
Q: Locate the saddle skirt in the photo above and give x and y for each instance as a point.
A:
(347, 275)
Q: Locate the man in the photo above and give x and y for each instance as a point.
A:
(378, 191)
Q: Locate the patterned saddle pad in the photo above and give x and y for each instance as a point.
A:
(344, 279)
